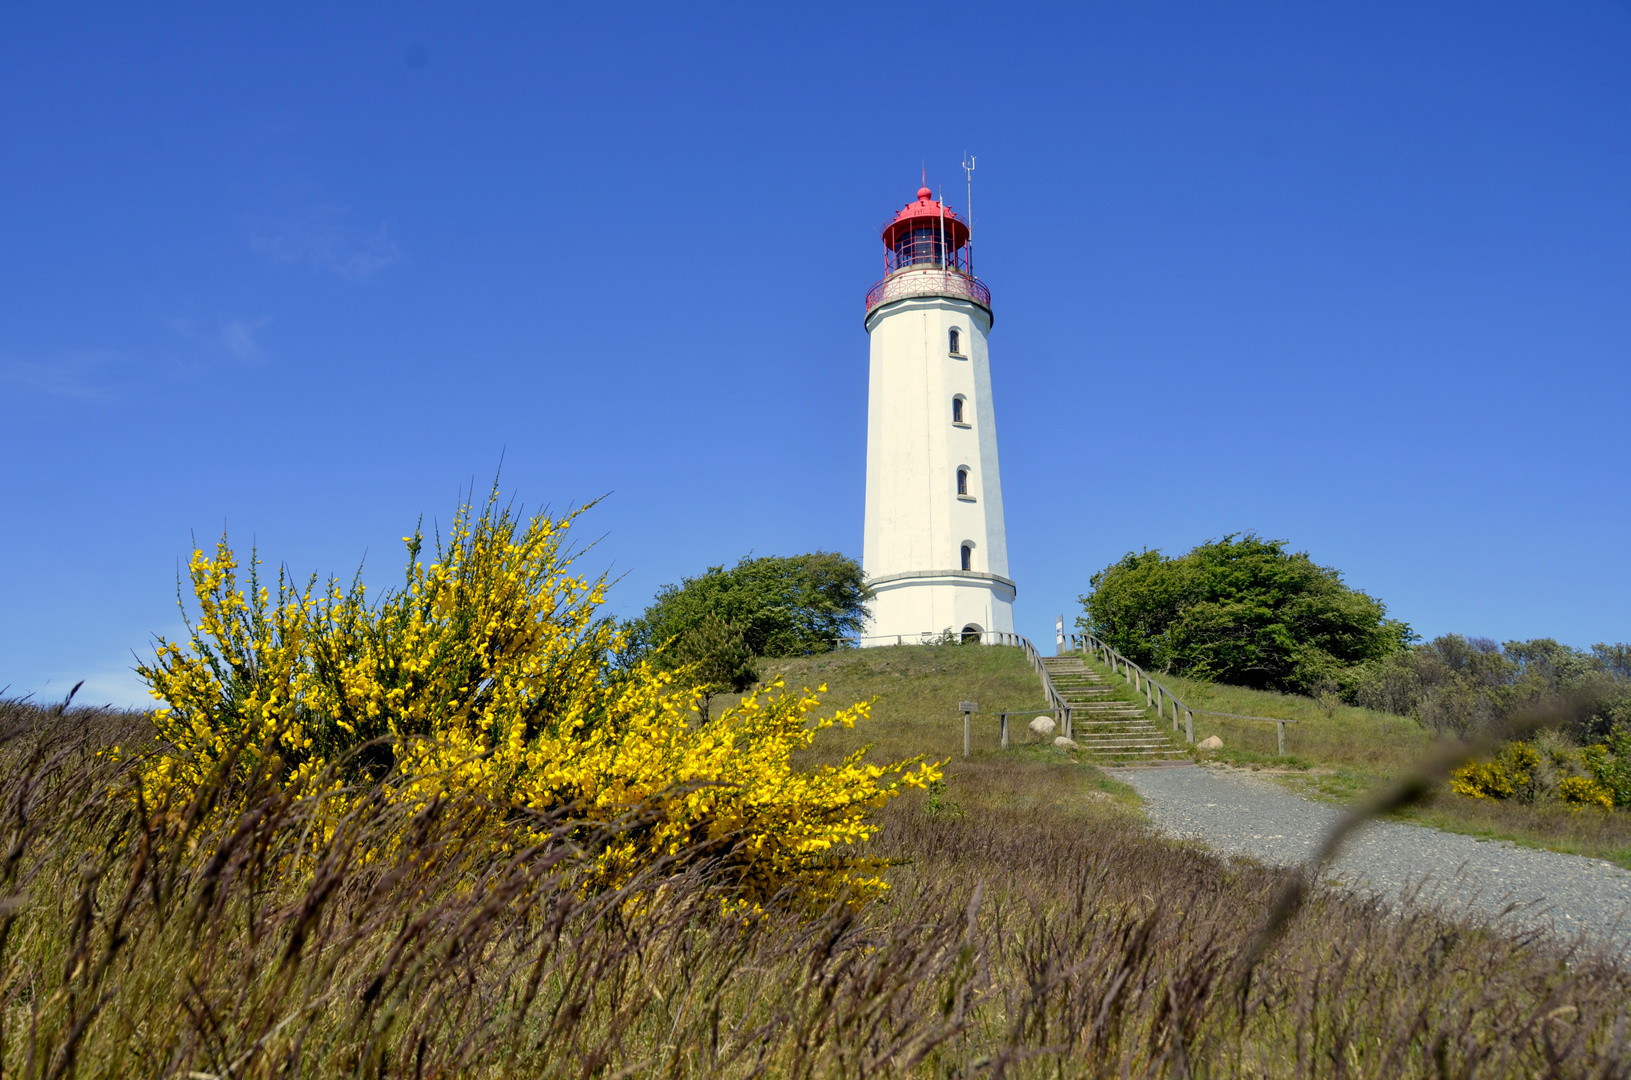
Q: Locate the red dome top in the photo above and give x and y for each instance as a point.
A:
(914, 214)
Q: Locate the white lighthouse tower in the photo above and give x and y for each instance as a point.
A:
(935, 550)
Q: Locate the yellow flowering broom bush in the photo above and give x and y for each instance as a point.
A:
(1521, 770)
(482, 679)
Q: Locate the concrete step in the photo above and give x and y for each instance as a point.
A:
(1121, 733)
(1105, 747)
(1129, 744)
(1104, 725)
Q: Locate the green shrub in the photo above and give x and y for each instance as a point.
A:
(780, 606)
(1240, 610)
(1610, 765)
(1458, 684)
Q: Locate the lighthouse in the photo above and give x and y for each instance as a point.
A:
(935, 552)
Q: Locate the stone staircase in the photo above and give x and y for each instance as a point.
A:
(1104, 726)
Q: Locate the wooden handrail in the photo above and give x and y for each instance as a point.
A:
(1135, 674)
(1140, 679)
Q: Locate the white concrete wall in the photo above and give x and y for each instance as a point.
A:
(915, 522)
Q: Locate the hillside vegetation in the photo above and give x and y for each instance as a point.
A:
(1244, 625)
(1338, 751)
(1032, 927)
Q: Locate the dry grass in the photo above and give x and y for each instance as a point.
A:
(1033, 930)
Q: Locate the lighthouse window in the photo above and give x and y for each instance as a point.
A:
(956, 342)
(968, 557)
(957, 410)
(962, 481)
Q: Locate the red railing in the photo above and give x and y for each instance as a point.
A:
(922, 247)
(923, 280)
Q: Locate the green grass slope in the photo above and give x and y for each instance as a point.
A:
(915, 691)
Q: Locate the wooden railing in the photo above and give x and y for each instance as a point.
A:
(1055, 700)
(1156, 695)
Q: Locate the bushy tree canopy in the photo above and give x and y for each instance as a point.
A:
(718, 657)
(1240, 610)
(782, 606)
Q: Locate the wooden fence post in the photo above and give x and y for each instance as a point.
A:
(1189, 727)
(1004, 718)
(969, 709)
(1280, 725)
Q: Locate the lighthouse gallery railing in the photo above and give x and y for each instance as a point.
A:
(920, 280)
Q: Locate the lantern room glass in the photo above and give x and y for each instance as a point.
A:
(924, 246)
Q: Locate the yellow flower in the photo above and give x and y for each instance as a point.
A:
(482, 681)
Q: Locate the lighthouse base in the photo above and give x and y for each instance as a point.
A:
(927, 605)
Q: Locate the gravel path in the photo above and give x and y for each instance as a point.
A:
(1239, 814)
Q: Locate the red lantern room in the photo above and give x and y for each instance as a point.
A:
(927, 253)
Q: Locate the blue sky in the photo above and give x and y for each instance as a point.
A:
(1353, 275)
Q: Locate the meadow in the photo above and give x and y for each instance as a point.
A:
(1033, 926)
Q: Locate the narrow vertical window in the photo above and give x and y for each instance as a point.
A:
(968, 557)
(962, 481)
(957, 410)
(956, 341)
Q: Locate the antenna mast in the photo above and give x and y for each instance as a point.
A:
(968, 168)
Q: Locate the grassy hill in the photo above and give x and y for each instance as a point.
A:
(915, 691)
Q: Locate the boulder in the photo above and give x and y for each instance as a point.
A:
(1043, 725)
(1211, 742)
(1066, 743)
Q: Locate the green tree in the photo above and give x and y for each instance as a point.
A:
(719, 655)
(782, 606)
(1240, 610)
